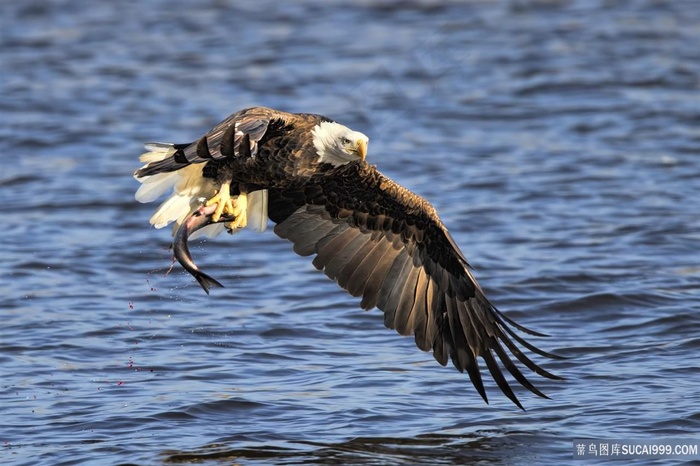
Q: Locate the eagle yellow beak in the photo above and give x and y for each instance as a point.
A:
(362, 149)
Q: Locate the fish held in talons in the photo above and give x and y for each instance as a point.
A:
(196, 221)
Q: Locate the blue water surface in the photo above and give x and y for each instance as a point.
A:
(559, 141)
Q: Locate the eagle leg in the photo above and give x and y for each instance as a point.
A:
(240, 211)
(223, 201)
(235, 207)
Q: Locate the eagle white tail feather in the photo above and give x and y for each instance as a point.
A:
(189, 189)
(152, 187)
(157, 151)
(175, 209)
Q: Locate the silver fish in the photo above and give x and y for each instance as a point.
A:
(196, 221)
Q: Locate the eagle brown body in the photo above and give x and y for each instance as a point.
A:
(256, 147)
(376, 239)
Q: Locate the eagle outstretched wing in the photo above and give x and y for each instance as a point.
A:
(379, 241)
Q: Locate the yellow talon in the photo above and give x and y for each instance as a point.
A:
(239, 210)
(226, 205)
(223, 202)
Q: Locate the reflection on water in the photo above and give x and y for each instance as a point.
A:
(558, 141)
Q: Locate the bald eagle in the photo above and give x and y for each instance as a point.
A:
(376, 239)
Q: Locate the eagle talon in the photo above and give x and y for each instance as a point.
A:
(223, 201)
(225, 205)
(239, 210)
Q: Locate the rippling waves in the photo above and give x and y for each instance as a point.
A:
(558, 140)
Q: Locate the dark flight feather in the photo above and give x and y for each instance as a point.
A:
(388, 245)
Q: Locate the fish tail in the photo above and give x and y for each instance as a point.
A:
(207, 281)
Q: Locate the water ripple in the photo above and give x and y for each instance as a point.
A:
(558, 141)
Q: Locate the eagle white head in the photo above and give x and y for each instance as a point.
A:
(337, 144)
